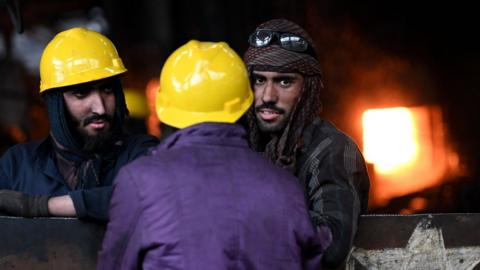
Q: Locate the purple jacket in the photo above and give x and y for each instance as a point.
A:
(203, 200)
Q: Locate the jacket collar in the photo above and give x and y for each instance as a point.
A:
(46, 160)
(208, 133)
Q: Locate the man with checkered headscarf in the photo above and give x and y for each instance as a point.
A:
(285, 125)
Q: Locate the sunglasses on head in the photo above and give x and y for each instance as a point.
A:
(286, 40)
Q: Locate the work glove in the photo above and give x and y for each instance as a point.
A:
(20, 204)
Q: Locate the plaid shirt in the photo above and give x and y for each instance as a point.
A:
(334, 174)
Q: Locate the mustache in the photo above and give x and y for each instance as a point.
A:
(97, 117)
(270, 106)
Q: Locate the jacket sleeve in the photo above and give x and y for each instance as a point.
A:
(337, 186)
(5, 166)
(313, 240)
(315, 246)
(4, 183)
(94, 202)
(122, 242)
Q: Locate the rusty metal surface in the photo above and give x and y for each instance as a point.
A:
(48, 243)
(440, 241)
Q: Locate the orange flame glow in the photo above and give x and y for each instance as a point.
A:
(407, 149)
(389, 139)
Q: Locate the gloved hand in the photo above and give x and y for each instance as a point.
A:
(20, 204)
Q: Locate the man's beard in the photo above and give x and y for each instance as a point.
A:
(267, 127)
(96, 142)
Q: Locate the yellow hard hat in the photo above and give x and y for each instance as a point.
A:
(78, 56)
(136, 103)
(203, 82)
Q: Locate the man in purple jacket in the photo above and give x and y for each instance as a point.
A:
(202, 199)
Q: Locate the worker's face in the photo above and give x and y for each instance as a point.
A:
(275, 97)
(92, 107)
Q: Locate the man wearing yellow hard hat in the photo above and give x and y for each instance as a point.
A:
(70, 173)
(202, 199)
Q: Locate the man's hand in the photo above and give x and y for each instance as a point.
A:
(20, 204)
(61, 206)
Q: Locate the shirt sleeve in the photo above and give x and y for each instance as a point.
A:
(121, 246)
(337, 186)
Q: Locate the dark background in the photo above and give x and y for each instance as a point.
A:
(374, 54)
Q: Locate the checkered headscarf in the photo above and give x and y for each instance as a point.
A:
(273, 56)
(282, 149)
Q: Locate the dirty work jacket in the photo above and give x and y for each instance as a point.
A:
(31, 168)
(334, 174)
(203, 200)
